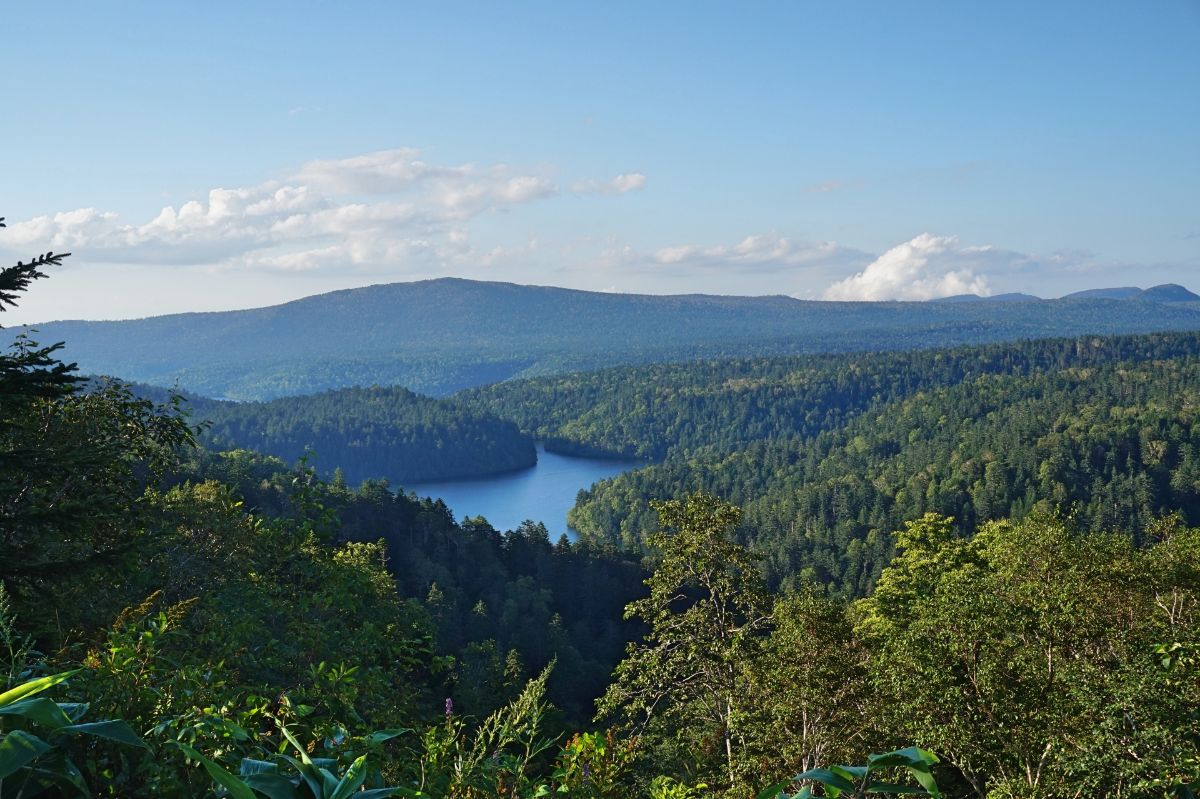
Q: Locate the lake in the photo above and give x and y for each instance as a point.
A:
(543, 493)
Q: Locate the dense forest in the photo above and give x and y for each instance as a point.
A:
(180, 622)
(439, 336)
(830, 454)
(369, 433)
(1114, 446)
(502, 599)
(658, 410)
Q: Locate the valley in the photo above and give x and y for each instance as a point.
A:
(552, 400)
(509, 532)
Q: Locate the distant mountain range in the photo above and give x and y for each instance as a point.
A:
(1012, 297)
(439, 336)
(1167, 292)
(1121, 293)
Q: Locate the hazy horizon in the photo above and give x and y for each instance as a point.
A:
(273, 304)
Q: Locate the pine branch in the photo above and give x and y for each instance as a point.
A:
(16, 279)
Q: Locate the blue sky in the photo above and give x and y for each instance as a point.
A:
(842, 150)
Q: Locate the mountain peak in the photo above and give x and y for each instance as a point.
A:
(1168, 292)
(1014, 296)
(1115, 293)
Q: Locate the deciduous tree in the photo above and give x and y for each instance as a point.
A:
(706, 613)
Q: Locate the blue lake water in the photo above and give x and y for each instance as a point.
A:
(543, 493)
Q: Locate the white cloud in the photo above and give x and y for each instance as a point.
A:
(380, 172)
(924, 268)
(388, 209)
(763, 252)
(621, 184)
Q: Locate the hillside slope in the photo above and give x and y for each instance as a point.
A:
(439, 336)
(1114, 443)
(367, 433)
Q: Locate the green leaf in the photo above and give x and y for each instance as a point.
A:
(251, 766)
(34, 687)
(379, 736)
(895, 788)
(18, 748)
(922, 775)
(113, 730)
(828, 778)
(352, 780)
(307, 773)
(38, 709)
(74, 710)
(379, 793)
(774, 791)
(274, 786)
(235, 731)
(304, 758)
(912, 756)
(59, 770)
(237, 789)
(329, 783)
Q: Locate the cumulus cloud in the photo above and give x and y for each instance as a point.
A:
(925, 268)
(621, 184)
(761, 252)
(387, 209)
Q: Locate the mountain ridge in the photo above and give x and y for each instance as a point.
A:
(439, 336)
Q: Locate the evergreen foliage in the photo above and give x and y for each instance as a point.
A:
(504, 604)
(1116, 443)
(667, 410)
(370, 433)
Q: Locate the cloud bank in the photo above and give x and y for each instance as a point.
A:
(387, 209)
(761, 252)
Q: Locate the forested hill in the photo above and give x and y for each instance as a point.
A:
(367, 433)
(660, 410)
(1117, 445)
(439, 336)
(830, 454)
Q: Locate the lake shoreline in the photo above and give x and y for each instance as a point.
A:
(544, 492)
